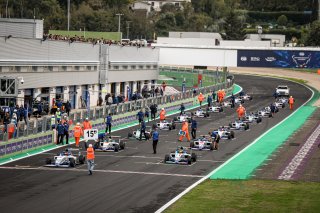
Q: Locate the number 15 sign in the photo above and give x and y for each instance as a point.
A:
(90, 134)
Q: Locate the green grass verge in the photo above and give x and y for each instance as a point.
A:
(87, 34)
(250, 196)
(191, 79)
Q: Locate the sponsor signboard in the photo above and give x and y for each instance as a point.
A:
(278, 58)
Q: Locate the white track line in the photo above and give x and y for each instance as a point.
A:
(300, 156)
(101, 171)
(164, 207)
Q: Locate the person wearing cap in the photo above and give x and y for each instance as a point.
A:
(77, 132)
(200, 98)
(241, 111)
(86, 124)
(90, 159)
(194, 126)
(185, 128)
(291, 101)
(58, 115)
(162, 115)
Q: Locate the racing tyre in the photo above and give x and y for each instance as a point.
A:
(175, 119)
(246, 127)
(221, 109)
(259, 120)
(211, 147)
(166, 158)
(130, 135)
(122, 145)
(72, 162)
(250, 98)
(189, 160)
(48, 161)
(191, 144)
(232, 134)
(81, 159)
(116, 148)
(283, 105)
(230, 124)
(170, 128)
(173, 126)
(193, 157)
(207, 114)
(270, 115)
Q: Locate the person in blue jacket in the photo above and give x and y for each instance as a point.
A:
(194, 126)
(155, 139)
(60, 129)
(143, 130)
(108, 123)
(140, 116)
(209, 100)
(66, 131)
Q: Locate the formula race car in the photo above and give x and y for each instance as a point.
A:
(246, 97)
(215, 109)
(180, 156)
(200, 113)
(239, 100)
(251, 117)
(265, 112)
(112, 144)
(166, 125)
(136, 134)
(201, 143)
(281, 102)
(224, 132)
(66, 159)
(239, 125)
(181, 118)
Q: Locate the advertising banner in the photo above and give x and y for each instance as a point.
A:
(278, 58)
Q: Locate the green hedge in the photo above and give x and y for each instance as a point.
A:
(293, 16)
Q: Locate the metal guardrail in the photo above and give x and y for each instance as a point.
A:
(43, 125)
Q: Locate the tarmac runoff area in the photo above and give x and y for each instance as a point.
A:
(134, 180)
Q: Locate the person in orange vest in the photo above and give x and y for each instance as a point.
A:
(86, 124)
(200, 98)
(162, 115)
(77, 132)
(223, 95)
(219, 93)
(11, 129)
(90, 159)
(185, 129)
(241, 111)
(291, 101)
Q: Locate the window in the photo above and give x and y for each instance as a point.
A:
(152, 4)
(133, 67)
(95, 68)
(34, 68)
(116, 67)
(18, 69)
(64, 68)
(148, 67)
(50, 68)
(89, 67)
(77, 68)
(141, 67)
(155, 66)
(125, 67)
(0, 69)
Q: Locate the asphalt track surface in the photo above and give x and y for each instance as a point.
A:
(134, 180)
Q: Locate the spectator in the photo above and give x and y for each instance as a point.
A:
(68, 107)
(110, 100)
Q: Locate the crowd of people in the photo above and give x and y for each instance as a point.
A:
(93, 41)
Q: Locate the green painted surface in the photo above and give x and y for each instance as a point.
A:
(245, 163)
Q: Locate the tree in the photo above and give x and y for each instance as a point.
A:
(313, 38)
(233, 26)
(282, 20)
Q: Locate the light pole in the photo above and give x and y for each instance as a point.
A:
(68, 15)
(119, 24)
(128, 28)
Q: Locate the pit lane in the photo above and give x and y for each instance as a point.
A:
(134, 180)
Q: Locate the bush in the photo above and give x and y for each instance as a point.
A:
(297, 17)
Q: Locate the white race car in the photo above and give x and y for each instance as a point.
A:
(112, 144)
(246, 97)
(136, 134)
(181, 118)
(281, 102)
(251, 117)
(239, 125)
(180, 156)
(201, 143)
(66, 159)
(215, 109)
(224, 132)
(166, 125)
(200, 113)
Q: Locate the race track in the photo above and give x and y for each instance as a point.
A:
(134, 180)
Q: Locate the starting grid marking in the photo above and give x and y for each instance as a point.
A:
(100, 171)
(289, 171)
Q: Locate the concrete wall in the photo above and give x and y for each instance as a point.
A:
(200, 57)
(245, 43)
(186, 41)
(195, 35)
(21, 28)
